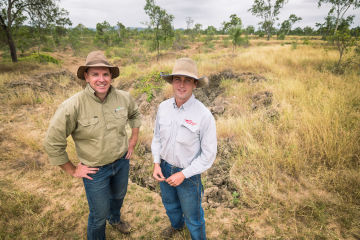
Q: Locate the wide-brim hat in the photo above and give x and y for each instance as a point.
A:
(97, 59)
(186, 67)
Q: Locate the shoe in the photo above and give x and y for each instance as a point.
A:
(169, 232)
(122, 227)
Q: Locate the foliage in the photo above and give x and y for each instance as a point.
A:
(268, 11)
(343, 42)
(160, 24)
(235, 22)
(288, 23)
(40, 13)
(339, 7)
(328, 27)
(41, 58)
(250, 30)
(210, 32)
(234, 29)
(149, 83)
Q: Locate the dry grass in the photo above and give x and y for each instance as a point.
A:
(297, 174)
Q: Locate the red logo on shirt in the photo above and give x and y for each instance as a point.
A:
(190, 122)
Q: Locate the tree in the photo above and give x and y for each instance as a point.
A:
(103, 33)
(288, 23)
(13, 13)
(189, 23)
(234, 28)
(160, 22)
(234, 22)
(308, 31)
(268, 11)
(355, 31)
(327, 28)
(210, 32)
(250, 30)
(343, 42)
(340, 7)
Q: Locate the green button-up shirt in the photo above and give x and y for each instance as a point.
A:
(98, 128)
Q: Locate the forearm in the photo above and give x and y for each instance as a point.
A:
(68, 167)
(134, 135)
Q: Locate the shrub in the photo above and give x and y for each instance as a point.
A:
(41, 58)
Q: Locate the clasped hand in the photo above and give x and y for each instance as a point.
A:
(174, 180)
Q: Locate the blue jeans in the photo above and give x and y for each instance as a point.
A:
(183, 203)
(105, 195)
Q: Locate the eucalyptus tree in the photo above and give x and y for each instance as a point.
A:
(339, 7)
(288, 23)
(268, 10)
(39, 13)
(160, 23)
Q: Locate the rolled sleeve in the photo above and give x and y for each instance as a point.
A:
(134, 114)
(61, 126)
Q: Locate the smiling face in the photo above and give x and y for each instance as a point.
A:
(99, 79)
(182, 88)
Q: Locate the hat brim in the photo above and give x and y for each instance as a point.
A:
(202, 82)
(113, 70)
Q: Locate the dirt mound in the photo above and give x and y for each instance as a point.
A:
(219, 190)
(263, 98)
(46, 82)
(251, 77)
(211, 97)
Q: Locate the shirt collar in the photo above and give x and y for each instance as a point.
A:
(91, 92)
(187, 104)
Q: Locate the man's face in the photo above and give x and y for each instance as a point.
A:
(99, 79)
(183, 87)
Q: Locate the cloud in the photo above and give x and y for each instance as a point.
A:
(206, 12)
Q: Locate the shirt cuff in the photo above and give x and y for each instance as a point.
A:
(59, 160)
(187, 173)
(157, 159)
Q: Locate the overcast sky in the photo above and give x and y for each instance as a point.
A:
(206, 12)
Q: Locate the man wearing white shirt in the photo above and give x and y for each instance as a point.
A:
(184, 146)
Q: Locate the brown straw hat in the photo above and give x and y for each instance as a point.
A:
(97, 59)
(186, 67)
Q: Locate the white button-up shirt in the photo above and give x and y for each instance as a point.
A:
(185, 137)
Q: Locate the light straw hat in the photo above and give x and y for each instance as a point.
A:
(97, 59)
(186, 67)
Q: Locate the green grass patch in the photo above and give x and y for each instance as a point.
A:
(41, 58)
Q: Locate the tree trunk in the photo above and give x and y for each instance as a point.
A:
(11, 46)
(9, 40)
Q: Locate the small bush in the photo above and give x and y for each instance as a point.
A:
(148, 84)
(41, 58)
(281, 36)
(306, 41)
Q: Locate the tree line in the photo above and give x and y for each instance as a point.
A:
(42, 23)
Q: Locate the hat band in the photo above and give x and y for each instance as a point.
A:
(97, 62)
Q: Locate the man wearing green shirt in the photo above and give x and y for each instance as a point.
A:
(96, 118)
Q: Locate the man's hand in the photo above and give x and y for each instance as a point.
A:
(157, 174)
(131, 148)
(176, 179)
(132, 142)
(82, 171)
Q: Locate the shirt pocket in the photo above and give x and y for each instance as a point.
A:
(88, 128)
(118, 120)
(188, 135)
